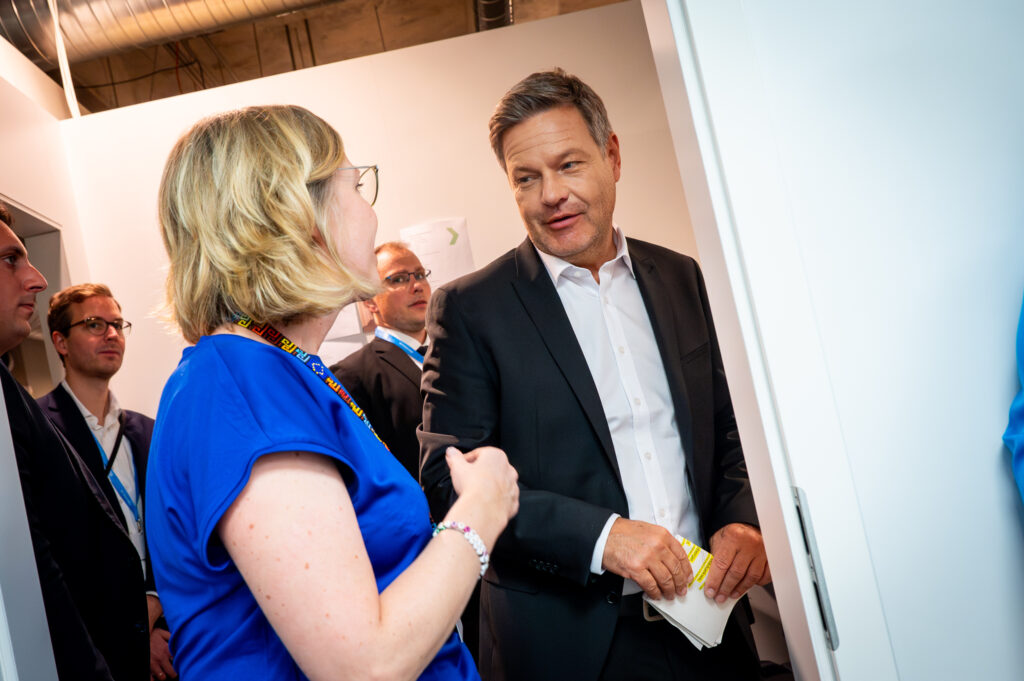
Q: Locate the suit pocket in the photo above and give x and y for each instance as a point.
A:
(697, 354)
(511, 583)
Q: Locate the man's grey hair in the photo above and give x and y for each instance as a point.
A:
(540, 92)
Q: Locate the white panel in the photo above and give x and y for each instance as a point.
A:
(872, 155)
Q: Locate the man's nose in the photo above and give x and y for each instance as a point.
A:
(554, 189)
(35, 281)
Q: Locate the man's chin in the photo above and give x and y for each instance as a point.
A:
(12, 338)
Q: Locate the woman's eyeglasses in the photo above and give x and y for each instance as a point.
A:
(369, 182)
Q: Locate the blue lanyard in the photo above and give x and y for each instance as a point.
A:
(132, 504)
(402, 345)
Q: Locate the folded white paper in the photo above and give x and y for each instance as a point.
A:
(702, 619)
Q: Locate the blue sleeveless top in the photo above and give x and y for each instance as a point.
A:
(230, 401)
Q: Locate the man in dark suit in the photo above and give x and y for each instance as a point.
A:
(383, 377)
(592, 360)
(89, 571)
(88, 333)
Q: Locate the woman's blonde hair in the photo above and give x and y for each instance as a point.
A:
(244, 200)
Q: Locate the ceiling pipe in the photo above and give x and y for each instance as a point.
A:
(98, 28)
(493, 14)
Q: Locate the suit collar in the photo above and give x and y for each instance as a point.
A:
(65, 414)
(532, 284)
(392, 355)
(555, 266)
(70, 428)
(113, 408)
(404, 337)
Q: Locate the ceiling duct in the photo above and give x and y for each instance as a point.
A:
(493, 14)
(98, 28)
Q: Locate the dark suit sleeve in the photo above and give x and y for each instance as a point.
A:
(733, 501)
(78, 657)
(552, 533)
(460, 407)
(74, 652)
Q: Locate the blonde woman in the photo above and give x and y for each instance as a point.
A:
(286, 542)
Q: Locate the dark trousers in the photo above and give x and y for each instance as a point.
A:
(657, 651)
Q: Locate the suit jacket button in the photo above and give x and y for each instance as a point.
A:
(612, 598)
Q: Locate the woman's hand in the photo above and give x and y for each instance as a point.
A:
(484, 479)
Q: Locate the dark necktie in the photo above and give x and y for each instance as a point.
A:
(422, 350)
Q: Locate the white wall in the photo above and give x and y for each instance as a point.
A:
(34, 175)
(421, 113)
(869, 218)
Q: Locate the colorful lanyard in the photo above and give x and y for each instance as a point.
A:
(402, 345)
(132, 504)
(314, 363)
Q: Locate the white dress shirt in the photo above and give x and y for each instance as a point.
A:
(615, 334)
(123, 468)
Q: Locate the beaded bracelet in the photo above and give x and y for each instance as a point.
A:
(471, 536)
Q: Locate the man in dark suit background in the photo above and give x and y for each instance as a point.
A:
(383, 377)
(591, 359)
(88, 333)
(89, 571)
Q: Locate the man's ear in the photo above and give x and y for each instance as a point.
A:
(371, 306)
(60, 343)
(614, 153)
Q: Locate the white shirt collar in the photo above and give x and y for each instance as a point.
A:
(556, 266)
(405, 338)
(113, 410)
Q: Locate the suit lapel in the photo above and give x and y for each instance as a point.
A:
(533, 285)
(666, 334)
(140, 450)
(65, 414)
(111, 509)
(392, 355)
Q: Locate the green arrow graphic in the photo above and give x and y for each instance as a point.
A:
(455, 236)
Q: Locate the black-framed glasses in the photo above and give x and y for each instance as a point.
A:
(369, 182)
(97, 326)
(402, 278)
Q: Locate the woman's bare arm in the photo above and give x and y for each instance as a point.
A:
(293, 534)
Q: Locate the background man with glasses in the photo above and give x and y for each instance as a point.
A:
(88, 333)
(89, 572)
(383, 377)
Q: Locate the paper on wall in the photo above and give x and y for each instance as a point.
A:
(442, 246)
(700, 618)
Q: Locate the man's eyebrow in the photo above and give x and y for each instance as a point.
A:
(13, 249)
(574, 151)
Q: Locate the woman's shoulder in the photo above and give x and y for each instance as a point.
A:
(234, 378)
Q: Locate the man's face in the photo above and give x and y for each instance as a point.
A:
(564, 184)
(401, 307)
(84, 353)
(19, 284)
